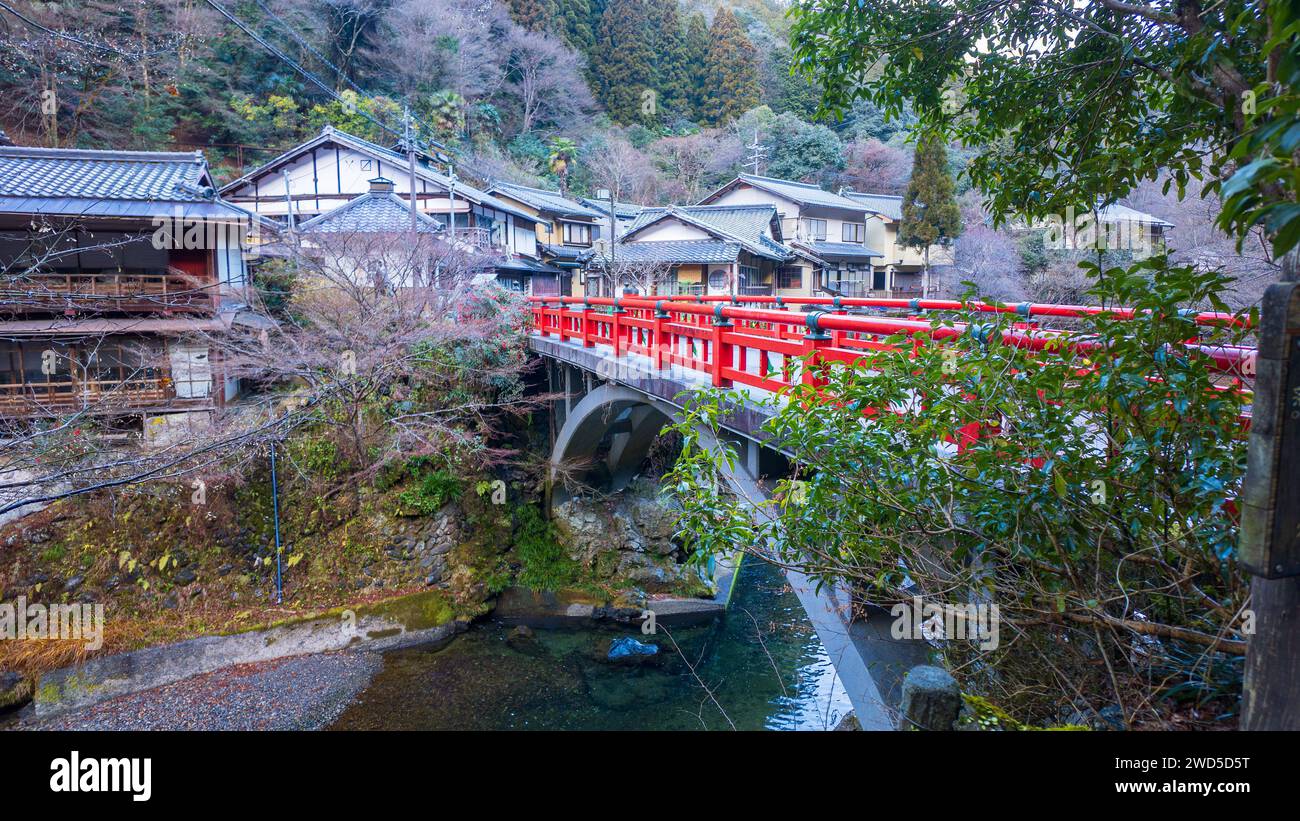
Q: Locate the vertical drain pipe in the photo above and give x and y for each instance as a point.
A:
(275, 507)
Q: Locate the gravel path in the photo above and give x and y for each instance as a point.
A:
(298, 693)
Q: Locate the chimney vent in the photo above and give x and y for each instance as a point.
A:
(381, 185)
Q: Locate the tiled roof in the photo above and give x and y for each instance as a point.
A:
(565, 252)
(116, 175)
(370, 214)
(108, 183)
(674, 251)
(884, 204)
(1122, 213)
(841, 250)
(749, 224)
(552, 202)
(622, 210)
(528, 266)
(803, 193)
(422, 169)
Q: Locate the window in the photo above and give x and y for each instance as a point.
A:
(576, 233)
(855, 232)
(816, 229)
(717, 280)
(789, 277)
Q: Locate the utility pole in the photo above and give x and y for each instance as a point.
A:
(451, 200)
(612, 195)
(757, 152)
(288, 199)
(410, 159)
(1269, 546)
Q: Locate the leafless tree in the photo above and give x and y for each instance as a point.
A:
(622, 168)
(875, 167)
(396, 344)
(641, 278)
(443, 44)
(988, 258)
(545, 77)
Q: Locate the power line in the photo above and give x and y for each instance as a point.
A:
(289, 61)
(297, 38)
(62, 35)
(280, 55)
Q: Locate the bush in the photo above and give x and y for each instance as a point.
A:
(431, 491)
(1093, 509)
(545, 564)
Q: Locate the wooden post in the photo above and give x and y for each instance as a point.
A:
(813, 342)
(617, 329)
(588, 340)
(540, 320)
(723, 352)
(1270, 519)
(661, 318)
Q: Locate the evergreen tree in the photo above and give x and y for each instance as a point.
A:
(624, 60)
(573, 22)
(534, 15)
(696, 48)
(731, 77)
(671, 80)
(930, 211)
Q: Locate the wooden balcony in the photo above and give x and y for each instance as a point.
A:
(98, 397)
(125, 292)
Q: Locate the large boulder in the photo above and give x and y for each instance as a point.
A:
(15, 691)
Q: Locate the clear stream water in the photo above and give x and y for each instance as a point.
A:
(762, 664)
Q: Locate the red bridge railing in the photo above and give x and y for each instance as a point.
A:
(772, 348)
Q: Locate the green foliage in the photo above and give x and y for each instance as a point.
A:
(731, 71)
(355, 115)
(696, 46)
(534, 15)
(317, 456)
(445, 110)
(1080, 104)
(544, 563)
(930, 211)
(1098, 489)
(623, 62)
(803, 151)
(530, 151)
(431, 490)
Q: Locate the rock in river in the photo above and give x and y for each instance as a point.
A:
(627, 650)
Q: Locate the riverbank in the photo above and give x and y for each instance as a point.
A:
(295, 693)
(758, 666)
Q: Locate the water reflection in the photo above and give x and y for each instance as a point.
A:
(760, 667)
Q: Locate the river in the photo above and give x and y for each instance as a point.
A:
(760, 667)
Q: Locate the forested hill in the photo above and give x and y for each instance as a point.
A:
(660, 97)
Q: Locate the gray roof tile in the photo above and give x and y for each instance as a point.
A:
(884, 204)
(805, 194)
(370, 214)
(546, 201)
(110, 175)
(841, 250)
(749, 224)
(674, 251)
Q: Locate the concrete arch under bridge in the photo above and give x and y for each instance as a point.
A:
(611, 413)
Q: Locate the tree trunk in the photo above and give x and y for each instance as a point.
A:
(1271, 697)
